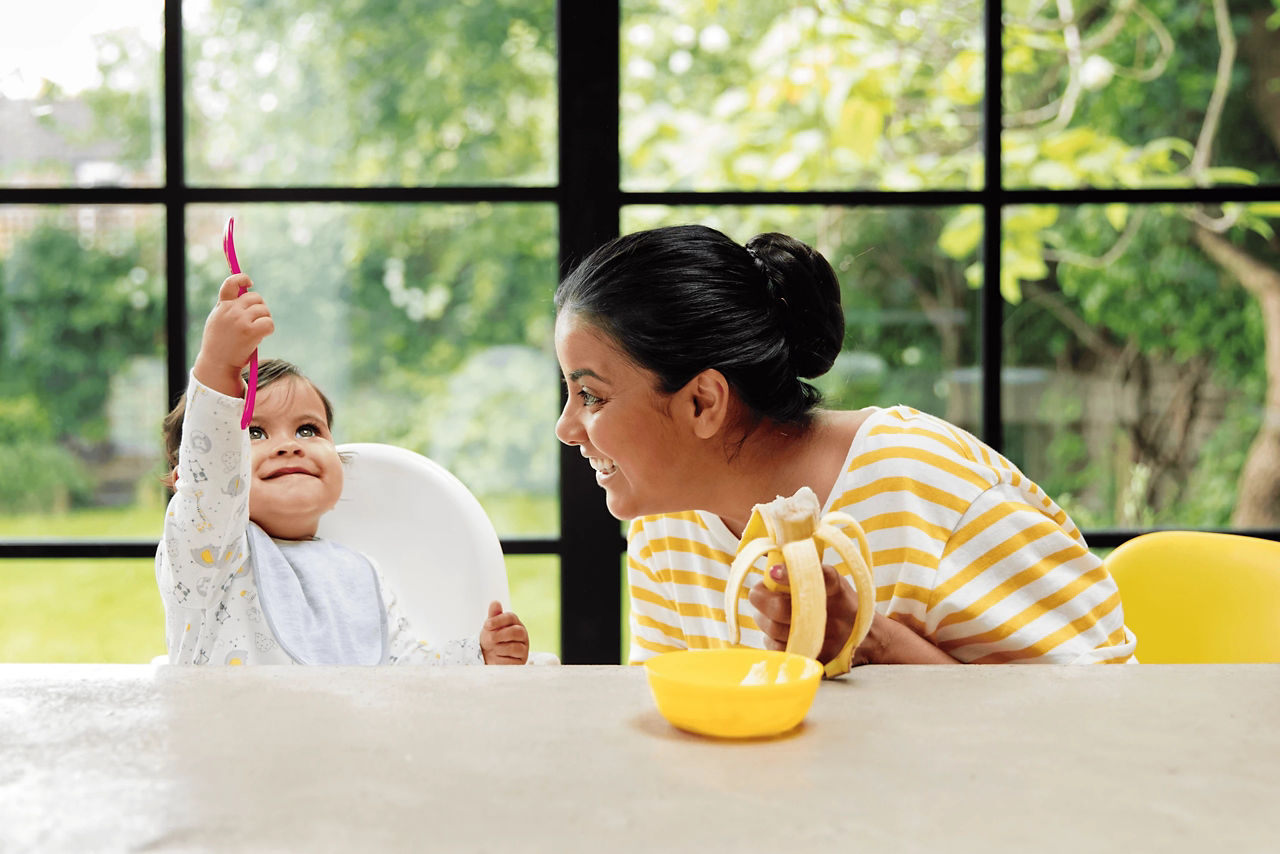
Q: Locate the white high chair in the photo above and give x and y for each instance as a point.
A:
(431, 539)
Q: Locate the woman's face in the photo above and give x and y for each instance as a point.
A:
(615, 416)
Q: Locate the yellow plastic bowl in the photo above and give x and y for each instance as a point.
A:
(702, 690)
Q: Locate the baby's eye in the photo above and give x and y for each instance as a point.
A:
(256, 432)
(308, 431)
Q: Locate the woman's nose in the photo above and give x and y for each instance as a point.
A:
(567, 428)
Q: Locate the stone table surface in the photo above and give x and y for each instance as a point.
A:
(1123, 758)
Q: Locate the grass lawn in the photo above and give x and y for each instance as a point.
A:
(100, 610)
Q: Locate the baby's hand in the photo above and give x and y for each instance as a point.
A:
(503, 638)
(233, 330)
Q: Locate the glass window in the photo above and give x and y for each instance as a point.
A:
(1136, 375)
(910, 317)
(90, 610)
(1133, 379)
(80, 94)
(779, 95)
(535, 597)
(1137, 95)
(82, 371)
(428, 327)
(370, 93)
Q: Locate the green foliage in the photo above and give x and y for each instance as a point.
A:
(75, 313)
(125, 107)
(396, 309)
(40, 476)
(779, 95)
(371, 92)
(36, 474)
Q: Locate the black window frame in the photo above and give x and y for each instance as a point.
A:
(589, 200)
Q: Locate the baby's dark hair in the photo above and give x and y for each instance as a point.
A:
(269, 371)
(682, 299)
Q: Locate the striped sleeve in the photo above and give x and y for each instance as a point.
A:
(1015, 584)
(676, 575)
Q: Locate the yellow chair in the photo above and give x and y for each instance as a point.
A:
(1197, 597)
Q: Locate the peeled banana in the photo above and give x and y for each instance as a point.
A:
(793, 531)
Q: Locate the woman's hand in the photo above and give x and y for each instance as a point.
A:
(233, 330)
(503, 638)
(888, 642)
(773, 609)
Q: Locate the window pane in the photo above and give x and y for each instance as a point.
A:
(1134, 95)
(1136, 381)
(80, 611)
(429, 327)
(80, 94)
(774, 94)
(535, 597)
(82, 371)
(911, 316)
(300, 92)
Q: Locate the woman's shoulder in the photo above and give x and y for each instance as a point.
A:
(900, 443)
(904, 426)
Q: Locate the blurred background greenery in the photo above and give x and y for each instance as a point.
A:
(1135, 385)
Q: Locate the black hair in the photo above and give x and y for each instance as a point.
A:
(269, 371)
(683, 299)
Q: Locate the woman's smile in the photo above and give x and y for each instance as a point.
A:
(604, 468)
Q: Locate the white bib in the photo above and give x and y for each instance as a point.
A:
(321, 600)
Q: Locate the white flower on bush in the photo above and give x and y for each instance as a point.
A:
(1096, 72)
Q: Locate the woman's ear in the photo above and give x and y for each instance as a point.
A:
(705, 402)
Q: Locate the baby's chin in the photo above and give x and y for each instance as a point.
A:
(281, 527)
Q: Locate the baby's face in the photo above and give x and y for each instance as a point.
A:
(296, 472)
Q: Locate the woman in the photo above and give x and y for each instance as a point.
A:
(685, 356)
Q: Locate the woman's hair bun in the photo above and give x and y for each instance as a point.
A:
(808, 296)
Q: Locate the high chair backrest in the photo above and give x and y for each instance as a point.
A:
(429, 535)
(1197, 597)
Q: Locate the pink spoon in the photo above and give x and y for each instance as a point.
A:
(229, 249)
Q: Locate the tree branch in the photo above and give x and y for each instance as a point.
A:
(1111, 28)
(1146, 75)
(1221, 83)
(1075, 59)
(1260, 279)
(1109, 257)
(1087, 334)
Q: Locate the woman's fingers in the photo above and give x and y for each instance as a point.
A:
(773, 613)
(773, 609)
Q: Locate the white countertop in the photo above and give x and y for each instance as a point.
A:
(1119, 758)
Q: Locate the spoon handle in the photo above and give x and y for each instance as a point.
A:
(229, 249)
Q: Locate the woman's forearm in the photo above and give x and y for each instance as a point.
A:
(890, 642)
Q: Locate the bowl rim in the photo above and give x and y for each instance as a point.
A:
(656, 667)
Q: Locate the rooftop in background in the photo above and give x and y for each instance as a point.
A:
(40, 146)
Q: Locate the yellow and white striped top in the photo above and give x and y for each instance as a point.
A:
(968, 552)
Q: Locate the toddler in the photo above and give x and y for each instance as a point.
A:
(243, 576)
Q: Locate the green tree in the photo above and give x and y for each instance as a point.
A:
(74, 315)
(1106, 94)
